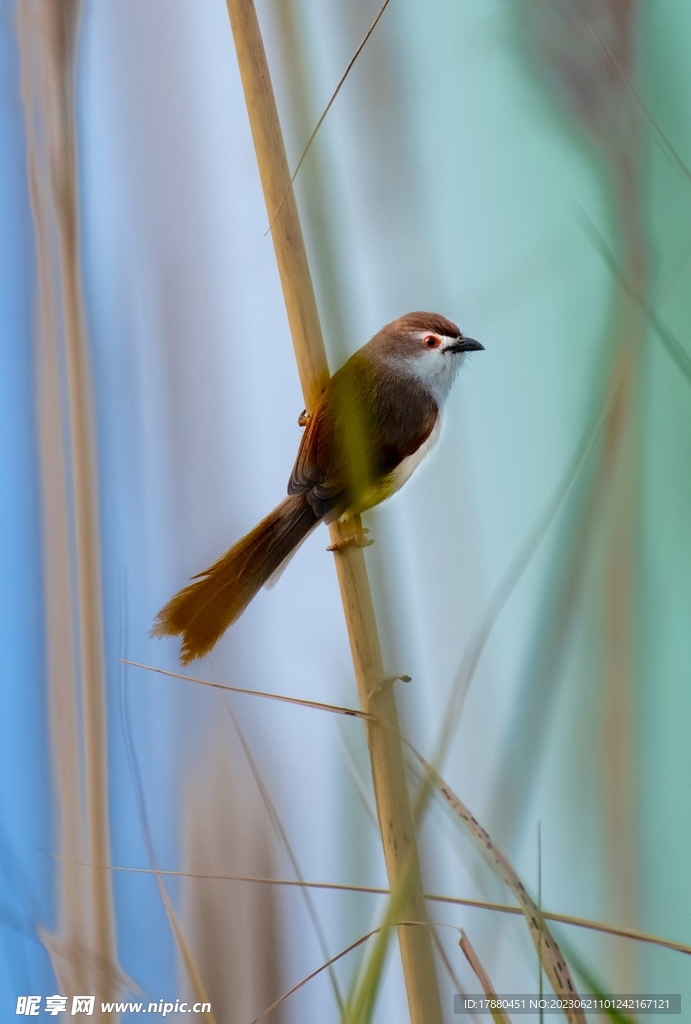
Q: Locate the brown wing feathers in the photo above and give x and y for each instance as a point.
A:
(346, 445)
(364, 427)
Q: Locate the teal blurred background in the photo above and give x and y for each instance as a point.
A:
(522, 169)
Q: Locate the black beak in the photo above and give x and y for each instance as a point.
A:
(466, 345)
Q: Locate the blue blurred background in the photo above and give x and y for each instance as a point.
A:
(524, 172)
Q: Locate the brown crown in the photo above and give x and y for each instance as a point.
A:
(420, 321)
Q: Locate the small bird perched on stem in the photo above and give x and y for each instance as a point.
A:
(376, 419)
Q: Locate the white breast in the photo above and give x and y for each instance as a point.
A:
(404, 469)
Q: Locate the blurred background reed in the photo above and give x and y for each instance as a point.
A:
(521, 170)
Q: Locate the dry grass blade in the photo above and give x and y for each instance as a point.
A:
(314, 704)
(498, 1016)
(575, 922)
(376, 695)
(329, 963)
(547, 949)
(184, 950)
(73, 960)
(327, 108)
(458, 901)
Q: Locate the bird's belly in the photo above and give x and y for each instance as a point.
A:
(405, 469)
(379, 490)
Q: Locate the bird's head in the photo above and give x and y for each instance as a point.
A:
(425, 345)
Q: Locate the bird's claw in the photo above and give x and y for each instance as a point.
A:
(357, 540)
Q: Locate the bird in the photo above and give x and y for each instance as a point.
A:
(376, 419)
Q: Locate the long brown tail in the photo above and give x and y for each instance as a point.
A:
(202, 612)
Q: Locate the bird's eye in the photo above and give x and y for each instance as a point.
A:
(432, 341)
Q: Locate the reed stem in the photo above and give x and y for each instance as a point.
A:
(376, 695)
(57, 26)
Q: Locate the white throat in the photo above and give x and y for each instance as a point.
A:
(437, 370)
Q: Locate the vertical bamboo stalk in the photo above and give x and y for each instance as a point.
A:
(376, 695)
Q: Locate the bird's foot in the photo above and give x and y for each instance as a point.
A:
(303, 418)
(359, 539)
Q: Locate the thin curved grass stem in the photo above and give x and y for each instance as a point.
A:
(459, 901)
(549, 954)
(314, 704)
(328, 964)
(328, 107)
(498, 1015)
